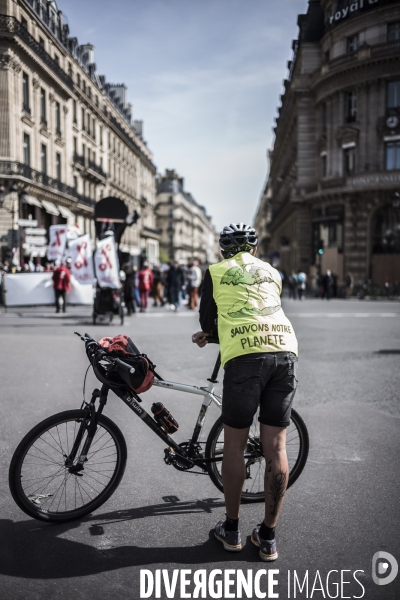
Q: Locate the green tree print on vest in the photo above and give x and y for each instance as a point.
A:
(256, 303)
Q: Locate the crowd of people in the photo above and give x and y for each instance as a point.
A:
(168, 285)
(28, 267)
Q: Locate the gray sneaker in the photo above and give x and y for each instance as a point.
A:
(267, 547)
(230, 539)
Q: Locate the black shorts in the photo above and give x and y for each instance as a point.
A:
(268, 380)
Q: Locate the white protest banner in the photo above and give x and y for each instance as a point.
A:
(82, 259)
(58, 240)
(106, 263)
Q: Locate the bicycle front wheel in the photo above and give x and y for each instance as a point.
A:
(39, 477)
(297, 445)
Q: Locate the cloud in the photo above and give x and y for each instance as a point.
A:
(205, 76)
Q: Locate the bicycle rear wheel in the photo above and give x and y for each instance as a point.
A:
(297, 445)
(40, 481)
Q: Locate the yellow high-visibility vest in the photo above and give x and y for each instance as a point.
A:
(250, 316)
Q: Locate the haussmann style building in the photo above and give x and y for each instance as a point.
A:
(67, 137)
(331, 199)
(187, 231)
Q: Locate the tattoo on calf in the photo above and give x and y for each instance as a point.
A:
(278, 488)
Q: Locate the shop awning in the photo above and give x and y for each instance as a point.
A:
(65, 212)
(50, 208)
(32, 201)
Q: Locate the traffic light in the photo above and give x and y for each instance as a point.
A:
(321, 247)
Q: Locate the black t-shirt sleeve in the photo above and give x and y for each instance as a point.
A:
(208, 307)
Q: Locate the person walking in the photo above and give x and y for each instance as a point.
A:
(349, 284)
(292, 284)
(61, 284)
(158, 292)
(327, 283)
(195, 277)
(175, 284)
(301, 284)
(145, 284)
(129, 289)
(259, 354)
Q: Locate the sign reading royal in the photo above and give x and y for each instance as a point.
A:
(351, 8)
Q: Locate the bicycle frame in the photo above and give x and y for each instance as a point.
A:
(132, 400)
(188, 458)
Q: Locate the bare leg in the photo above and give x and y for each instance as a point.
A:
(233, 468)
(273, 441)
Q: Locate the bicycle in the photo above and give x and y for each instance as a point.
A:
(71, 463)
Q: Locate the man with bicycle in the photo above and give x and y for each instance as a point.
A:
(259, 355)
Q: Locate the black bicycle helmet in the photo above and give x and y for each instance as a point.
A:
(237, 237)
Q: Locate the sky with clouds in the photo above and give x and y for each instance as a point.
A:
(205, 76)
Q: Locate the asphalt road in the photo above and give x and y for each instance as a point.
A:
(342, 510)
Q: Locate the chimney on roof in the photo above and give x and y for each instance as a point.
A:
(87, 53)
(120, 92)
(138, 127)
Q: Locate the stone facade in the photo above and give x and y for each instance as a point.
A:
(66, 135)
(334, 172)
(187, 231)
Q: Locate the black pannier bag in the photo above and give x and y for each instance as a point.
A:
(121, 346)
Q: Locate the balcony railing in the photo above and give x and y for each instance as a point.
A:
(12, 25)
(97, 169)
(85, 199)
(79, 158)
(16, 169)
(333, 182)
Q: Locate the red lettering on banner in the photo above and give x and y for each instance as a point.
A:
(103, 266)
(81, 259)
(57, 241)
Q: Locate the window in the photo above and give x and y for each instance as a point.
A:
(93, 128)
(84, 86)
(43, 158)
(27, 149)
(393, 31)
(109, 141)
(56, 58)
(350, 107)
(84, 152)
(58, 166)
(89, 93)
(83, 119)
(43, 106)
(70, 70)
(392, 156)
(78, 80)
(393, 94)
(58, 118)
(75, 183)
(326, 56)
(41, 41)
(25, 93)
(101, 135)
(352, 43)
(97, 101)
(349, 160)
(24, 22)
(74, 111)
(75, 145)
(323, 165)
(88, 123)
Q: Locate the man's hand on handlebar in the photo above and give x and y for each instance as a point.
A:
(200, 338)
